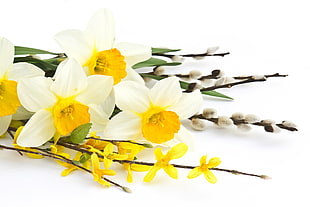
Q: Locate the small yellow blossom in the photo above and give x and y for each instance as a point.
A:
(132, 150)
(97, 144)
(69, 167)
(97, 172)
(205, 169)
(108, 155)
(175, 152)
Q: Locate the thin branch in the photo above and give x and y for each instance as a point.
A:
(194, 55)
(247, 79)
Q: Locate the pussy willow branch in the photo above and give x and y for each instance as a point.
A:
(78, 148)
(60, 158)
(267, 126)
(191, 86)
(249, 79)
(192, 55)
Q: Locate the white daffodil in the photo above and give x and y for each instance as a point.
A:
(10, 75)
(96, 51)
(153, 115)
(60, 105)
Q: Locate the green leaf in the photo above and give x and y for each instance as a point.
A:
(78, 134)
(31, 51)
(163, 50)
(37, 62)
(84, 157)
(154, 62)
(216, 94)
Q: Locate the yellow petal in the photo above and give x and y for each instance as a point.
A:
(139, 168)
(158, 153)
(151, 174)
(109, 149)
(213, 162)
(177, 151)
(171, 171)
(210, 176)
(194, 173)
(203, 160)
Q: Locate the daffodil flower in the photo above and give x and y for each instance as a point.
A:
(204, 169)
(97, 52)
(60, 105)
(175, 152)
(10, 75)
(153, 115)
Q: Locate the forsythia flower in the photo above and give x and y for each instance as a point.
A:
(153, 115)
(175, 152)
(60, 105)
(97, 172)
(133, 150)
(96, 51)
(10, 75)
(204, 168)
(109, 155)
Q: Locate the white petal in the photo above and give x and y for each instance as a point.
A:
(98, 118)
(34, 93)
(101, 27)
(70, 79)
(188, 105)
(183, 136)
(38, 130)
(4, 123)
(134, 53)
(6, 55)
(109, 104)
(132, 96)
(76, 44)
(125, 125)
(22, 114)
(132, 75)
(166, 92)
(98, 89)
(24, 70)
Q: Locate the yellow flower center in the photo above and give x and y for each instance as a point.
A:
(69, 114)
(9, 101)
(159, 125)
(108, 62)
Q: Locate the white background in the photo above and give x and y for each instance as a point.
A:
(263, 37)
